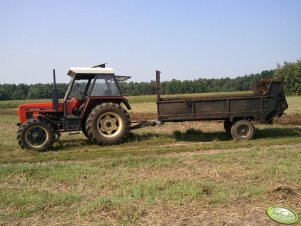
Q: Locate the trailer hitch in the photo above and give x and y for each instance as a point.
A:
(142, 124)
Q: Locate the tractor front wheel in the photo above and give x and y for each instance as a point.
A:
(36, 135)
(108, 124)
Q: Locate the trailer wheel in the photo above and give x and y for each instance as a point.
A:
(227, 125)
(36, 135)
(243, 130)
(108, 124)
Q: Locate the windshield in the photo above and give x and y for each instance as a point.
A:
(79, 87)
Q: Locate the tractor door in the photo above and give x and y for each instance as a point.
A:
(79, 90)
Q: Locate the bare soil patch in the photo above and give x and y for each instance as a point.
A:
(294, 119)
(142, 116)
(8, 112)
(284, 192)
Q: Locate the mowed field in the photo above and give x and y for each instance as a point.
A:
(189, 173)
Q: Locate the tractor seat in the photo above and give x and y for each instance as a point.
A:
(72, 104)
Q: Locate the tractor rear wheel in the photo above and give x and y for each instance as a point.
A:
(108, 124)
(35, 134)
(243, 130)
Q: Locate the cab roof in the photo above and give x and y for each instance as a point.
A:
(89, 70)
(95, 70)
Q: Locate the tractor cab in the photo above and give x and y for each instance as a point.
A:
(83, 85)
(89, 87)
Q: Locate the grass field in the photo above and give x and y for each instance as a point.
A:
(176, 174)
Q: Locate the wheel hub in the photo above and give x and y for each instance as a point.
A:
(36, 136)
(244, 131)
(109, 124)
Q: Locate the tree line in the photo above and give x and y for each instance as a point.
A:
(201, 85)
(290, 73)
(35, 91)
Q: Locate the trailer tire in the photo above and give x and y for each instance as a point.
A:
(36, 135)
(108, 124)
(228, 125)
(242, 130)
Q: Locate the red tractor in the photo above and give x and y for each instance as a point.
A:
(92, 104)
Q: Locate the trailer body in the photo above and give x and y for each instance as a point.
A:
(266, 102)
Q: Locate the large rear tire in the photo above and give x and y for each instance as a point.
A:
(243, 130)
(36, 135)
(108, 124)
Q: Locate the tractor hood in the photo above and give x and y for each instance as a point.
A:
(41, 107)
(26, 111)
(37, 106)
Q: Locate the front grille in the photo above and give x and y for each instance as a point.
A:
(28, 115)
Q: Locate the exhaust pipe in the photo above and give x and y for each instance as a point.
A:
(55, 98)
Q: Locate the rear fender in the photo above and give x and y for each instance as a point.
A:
(126, 103)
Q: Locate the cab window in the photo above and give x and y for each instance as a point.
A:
(80, 86)
(105, 85)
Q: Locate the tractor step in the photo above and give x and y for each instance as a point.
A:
(72, 123)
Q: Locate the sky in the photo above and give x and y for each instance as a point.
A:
(183, 39)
